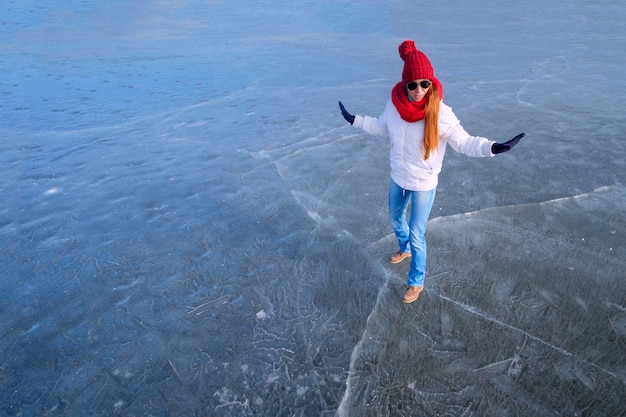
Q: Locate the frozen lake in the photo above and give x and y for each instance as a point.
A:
(190, 228)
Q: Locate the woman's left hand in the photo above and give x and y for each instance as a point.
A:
(497, 148)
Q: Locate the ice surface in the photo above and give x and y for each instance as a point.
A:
(189, 227)
(530, 322)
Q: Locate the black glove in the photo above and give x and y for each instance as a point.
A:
(349, 118)
(497, 148)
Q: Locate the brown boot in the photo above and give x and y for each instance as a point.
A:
(411, 294)
(399, 256)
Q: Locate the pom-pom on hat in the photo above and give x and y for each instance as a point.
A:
(416, 63)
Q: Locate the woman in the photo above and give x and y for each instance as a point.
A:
(419, 126)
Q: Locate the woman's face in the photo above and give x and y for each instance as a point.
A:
(418, 92)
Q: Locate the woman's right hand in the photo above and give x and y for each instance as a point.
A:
(349, 118)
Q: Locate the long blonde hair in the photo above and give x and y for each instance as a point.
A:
(431, 122)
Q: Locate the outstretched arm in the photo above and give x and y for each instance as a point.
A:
(463, 142)
(371, 125)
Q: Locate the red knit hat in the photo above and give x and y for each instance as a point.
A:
(416, 64)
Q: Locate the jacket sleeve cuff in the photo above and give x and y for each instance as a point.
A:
(488, 147)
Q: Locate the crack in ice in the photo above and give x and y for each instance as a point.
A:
(477, 312)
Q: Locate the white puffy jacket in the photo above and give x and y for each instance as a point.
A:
(408, 168)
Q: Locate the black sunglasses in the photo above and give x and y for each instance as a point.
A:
(425, 84)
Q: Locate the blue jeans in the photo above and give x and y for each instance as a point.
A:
(412, 235)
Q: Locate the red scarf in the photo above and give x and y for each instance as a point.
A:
(411, 111)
